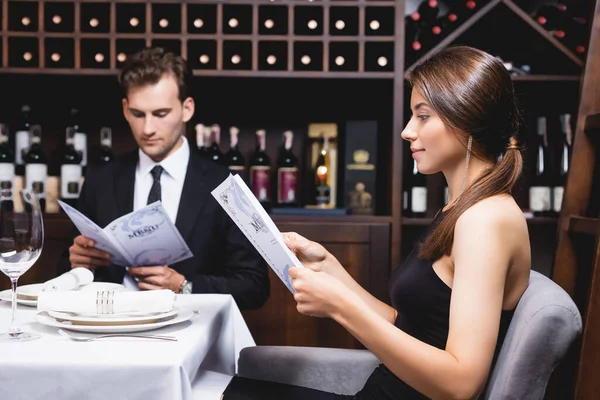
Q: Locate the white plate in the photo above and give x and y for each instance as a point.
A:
(44, 319)
(113, 319)
(33, 290)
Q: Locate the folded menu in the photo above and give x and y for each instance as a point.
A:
(244, 209)
(143, 237)
(107, 301)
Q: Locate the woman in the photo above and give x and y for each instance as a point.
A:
(454, 295)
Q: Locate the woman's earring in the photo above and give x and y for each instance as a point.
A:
(464, 180)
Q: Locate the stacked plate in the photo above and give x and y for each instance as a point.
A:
(113, 323)
(27, 294)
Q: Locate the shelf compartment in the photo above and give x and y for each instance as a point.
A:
(23, 52)
(237, 55)
(237, 19)
(166, 18)
(23, 16)
(59, 17)
(273, 20)
(94, 18)
(272, 55)
(202, 18)
(343, 56)
(59, 53)
(125, 47)
(131, 17)
(308, 56)
(95, 53)
(202, 54)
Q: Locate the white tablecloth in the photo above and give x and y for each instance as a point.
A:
(198, 365)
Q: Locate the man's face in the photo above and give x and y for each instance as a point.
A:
(157, 116)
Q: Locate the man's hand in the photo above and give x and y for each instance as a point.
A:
(83, 254)
(157, 277)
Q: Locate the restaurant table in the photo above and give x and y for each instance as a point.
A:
(198, 365)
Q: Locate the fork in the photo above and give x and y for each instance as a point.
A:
(89, 339)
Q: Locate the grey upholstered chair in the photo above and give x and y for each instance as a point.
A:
(545, 324)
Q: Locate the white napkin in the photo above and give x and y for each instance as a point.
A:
(70, 280)
(107, 301)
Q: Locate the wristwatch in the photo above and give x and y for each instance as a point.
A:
(186, 287)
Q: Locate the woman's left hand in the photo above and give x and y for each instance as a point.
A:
(318, 294)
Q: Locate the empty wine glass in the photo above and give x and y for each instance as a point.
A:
(21, 242)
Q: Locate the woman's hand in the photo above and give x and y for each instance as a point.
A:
(318, 294)
(312, 255)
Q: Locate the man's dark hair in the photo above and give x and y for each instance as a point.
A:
(149, 65)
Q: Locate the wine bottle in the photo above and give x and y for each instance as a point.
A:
(80, 138)
(411, 39)
(418, 193)
(260, 171)
(36, 166)
(234, 158)
(7, 170)
(287, 174)
(406, 192)
(200, 140)
(539, 192)
(428, 37)
(214, 152)
(323, 175)
(106, 154)
(447, 23)
(22, 137)
(576, 34)
(558, 190)
(464, 9)
(70, 170)
(553, 17)
(427, 12)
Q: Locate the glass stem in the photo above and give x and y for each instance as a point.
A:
(14, 329)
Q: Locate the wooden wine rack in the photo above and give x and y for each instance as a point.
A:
(365, 44)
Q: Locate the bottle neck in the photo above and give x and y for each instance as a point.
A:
(233, 141)
(288, 143)
(260, 142)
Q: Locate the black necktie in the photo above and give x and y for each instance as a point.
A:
(155, 191)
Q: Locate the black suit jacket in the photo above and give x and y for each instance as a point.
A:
(224, 260)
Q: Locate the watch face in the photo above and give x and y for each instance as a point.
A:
(187, 288)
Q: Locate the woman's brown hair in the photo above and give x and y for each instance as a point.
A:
(473, 94)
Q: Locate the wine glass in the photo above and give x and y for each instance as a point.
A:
(21, 242)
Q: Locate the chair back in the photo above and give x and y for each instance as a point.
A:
(545, 324)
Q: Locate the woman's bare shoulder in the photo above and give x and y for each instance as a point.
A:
(497, 212)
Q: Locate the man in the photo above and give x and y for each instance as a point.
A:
(157, 106)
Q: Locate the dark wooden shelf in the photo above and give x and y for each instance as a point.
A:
(202, 36)
(531, 221)
(208, 72)
(546, 78)
(333, 218)
(61, 218)
(590, 226)
(259, 2)
(406, 221)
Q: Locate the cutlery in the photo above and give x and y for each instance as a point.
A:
(89, 339)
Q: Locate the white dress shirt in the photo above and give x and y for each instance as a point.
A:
(171, 185)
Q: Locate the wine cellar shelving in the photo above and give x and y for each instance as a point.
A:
(285, 39)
